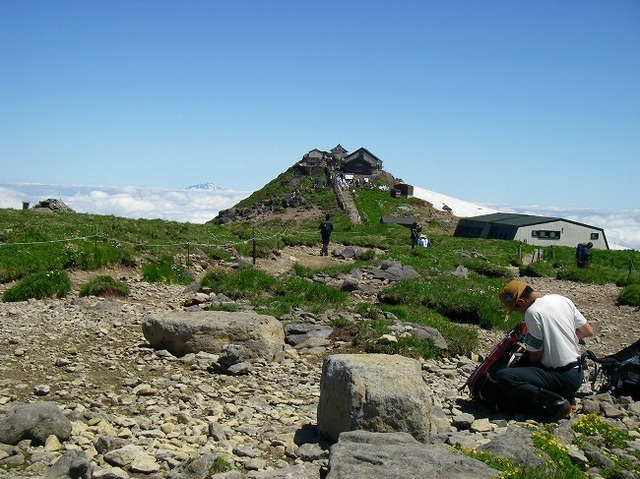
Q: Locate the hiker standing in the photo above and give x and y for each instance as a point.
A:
(554, 373)
(583, 255)
(325, 229)
(415, 234)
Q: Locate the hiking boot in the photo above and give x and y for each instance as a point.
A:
(558, 410)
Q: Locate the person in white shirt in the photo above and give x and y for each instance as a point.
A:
(553, 373)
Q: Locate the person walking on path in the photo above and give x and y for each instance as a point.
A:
(552, 371)
(415, 234)
(325, 228)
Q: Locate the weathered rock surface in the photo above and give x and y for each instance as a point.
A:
(373, 392)
(35, 422)
(364, 454)
(120, 394)
(182, 332)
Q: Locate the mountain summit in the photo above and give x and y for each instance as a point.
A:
(338, 182)
(204, 186)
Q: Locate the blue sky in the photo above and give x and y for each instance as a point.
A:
(515, 103)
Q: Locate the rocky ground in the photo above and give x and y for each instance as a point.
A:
(89, 356)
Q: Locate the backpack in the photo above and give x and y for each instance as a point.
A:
(582, 252)
(325, 228)
(618, 373)
(482, 386)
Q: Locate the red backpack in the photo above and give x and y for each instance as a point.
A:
(506, 353)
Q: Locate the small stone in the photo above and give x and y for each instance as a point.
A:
(41, 390)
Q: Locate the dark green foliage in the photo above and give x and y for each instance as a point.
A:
(104, 286)
(406, 346)
(460, 339)
(584, 275)
(220, 464)
(538, 269)
(488, 269)
(368, 255)
(165, 271)
(271, 295)
(43, 284)
(286, 300)
(630, 295)
(460, 300)
(242, 283)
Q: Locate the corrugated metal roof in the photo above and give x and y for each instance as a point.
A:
(517, 219)
(398, 220)
(514, 219)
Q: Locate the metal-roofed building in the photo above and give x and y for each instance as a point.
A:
(530, 229)
(362, 162)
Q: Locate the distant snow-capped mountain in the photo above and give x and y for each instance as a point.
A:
(204, 186)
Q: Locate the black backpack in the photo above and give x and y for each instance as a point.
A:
(618, 373)
(325, 228)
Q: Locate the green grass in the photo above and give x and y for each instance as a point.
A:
(473, 300)
(104, 286)
(630, 295)
(273, 295)
(165, 271)
(43, 284)
(33, 242)
(245, 282)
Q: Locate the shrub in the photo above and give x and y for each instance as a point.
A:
(245, 282)
(104, 286)
(367, 255)
(583, 275)
(461, 339)
(43, 284)
(165, 271)
(539, 269)
(487, 269)
(460, 300)
(296, 292)
(409, 346)
(220, 464)
(630, 295)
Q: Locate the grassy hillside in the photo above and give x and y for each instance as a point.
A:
(38, 247)
(35, 242)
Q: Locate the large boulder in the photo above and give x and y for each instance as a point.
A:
(373, 392)
(363, 454)
(35, 421)
(181, 332)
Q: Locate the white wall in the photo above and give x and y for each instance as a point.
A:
(570, 235)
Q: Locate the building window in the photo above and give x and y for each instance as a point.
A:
(535, 234)
(595, 236)
(551, 235)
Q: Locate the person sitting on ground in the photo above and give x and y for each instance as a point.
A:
(548, 383)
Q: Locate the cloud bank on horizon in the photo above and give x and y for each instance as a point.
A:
(199, 205)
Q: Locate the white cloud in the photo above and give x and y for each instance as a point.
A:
(193, 206)
(622, 227)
